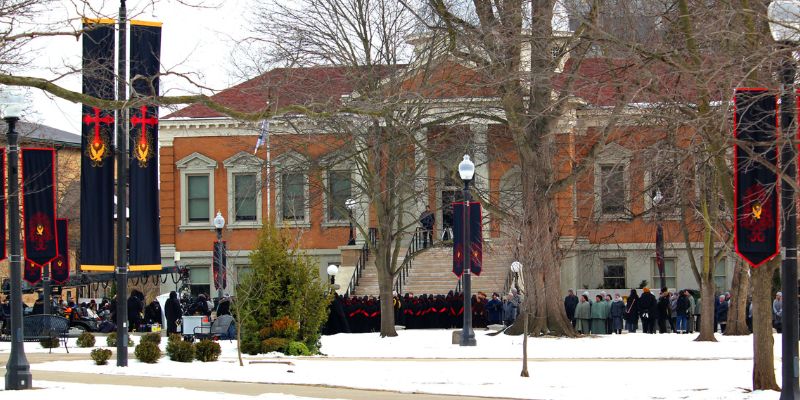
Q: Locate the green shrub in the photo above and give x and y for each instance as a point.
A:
(180, 351)
(279, 271)
(285, 327)
(274, 344)
(174, 338)
(85, 339)
(50, 343)
(147, 352)
(100, 356)
(206, 350)
(153, 337)
(297, 349)
(111, 340)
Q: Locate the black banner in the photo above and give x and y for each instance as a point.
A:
(755, 183)
(97, 161)
(220, 264)
(59, 268)
(3, 204)
(32, 273)
(39, 205)
(144, 208)
(476, 238)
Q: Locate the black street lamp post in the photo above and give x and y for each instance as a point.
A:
(350, 204)
(466, 169)
(657, 198)
(18, 371)
(122, 194)
(219, 223)
(784, 24)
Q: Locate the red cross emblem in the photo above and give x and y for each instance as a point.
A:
(97, 150)
(143, 150)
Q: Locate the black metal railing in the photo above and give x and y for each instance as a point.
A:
(363, 258)
(421, 239)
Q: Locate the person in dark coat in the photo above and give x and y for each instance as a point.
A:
(135, 310)
(617, 313)
(494, 310)
(721, 310)
(200, 306)
(664, 311)
(632, 312)
(337, 321)
(682, 309)
(570, 302)
(152, 313)
(38, 305)
(172, 310)
(647, 310)
(224, 306)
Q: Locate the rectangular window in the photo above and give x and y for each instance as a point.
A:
(612, 191)
(614, 274)
(339, 185)
(720, 276)
(245, 192)
(669, 274)
(200, 280)
(293, 197)
(197, 198)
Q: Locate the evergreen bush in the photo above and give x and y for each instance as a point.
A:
(100, 356)
(282, 296)
(147, 352)
(206, 350)
(111, 340)
(274, 344)
(86, 339)
(50, 343)
(297, 349)
(180, 351)
(153, 337)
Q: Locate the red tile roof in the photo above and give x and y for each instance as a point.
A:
(313, 87)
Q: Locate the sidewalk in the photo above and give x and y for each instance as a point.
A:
(240, 388)
(250, 389)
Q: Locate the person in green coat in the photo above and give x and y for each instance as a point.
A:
(599, 315)
(583, 315)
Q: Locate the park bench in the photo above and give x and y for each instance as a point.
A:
(218, 329)
(42, 326)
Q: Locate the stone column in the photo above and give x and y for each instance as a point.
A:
(480, 157)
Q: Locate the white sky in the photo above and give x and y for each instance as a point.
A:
(194, 40)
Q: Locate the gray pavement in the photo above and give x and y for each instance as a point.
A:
(239, 388)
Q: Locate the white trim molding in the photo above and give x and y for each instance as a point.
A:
(243, 163)
(195, 164)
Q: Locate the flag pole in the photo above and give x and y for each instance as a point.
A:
(122, 179)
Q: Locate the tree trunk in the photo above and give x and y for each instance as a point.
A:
(737, 313)
(524, 372)
(385, 282)
(707, 289)
(706, 310)
(541, 255)
(763, 342)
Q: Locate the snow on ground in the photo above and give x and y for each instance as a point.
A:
(630, 366)
(56, 390)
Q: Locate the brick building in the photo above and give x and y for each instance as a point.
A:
(606, 216)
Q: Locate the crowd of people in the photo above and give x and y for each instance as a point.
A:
(675, 312)
(141, 317)
(362, 314)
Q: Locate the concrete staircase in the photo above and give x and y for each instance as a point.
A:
(432, 273)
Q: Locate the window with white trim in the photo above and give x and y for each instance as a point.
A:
(196, 191)
(339, 190)
(244, 190)
(293, 197)
(721, 276)
(612, 189)
(670, 274)
(291, 190)
(198, 198)
(614, 274)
